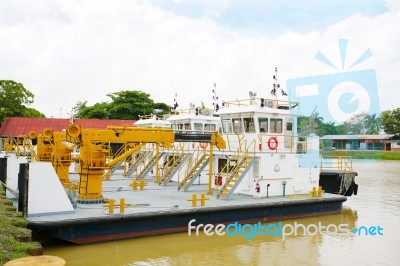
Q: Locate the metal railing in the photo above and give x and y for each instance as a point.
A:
(339, 163)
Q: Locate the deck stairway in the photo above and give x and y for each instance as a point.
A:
(174, 162)
(111, 171)
(195, 164)
(137, 160)
(235, 174)
(147, 163)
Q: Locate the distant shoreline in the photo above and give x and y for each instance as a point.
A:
(368, 154)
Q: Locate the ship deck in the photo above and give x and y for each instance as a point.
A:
(159, 199)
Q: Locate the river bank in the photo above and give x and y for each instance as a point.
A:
(15, 238)
(370, 155)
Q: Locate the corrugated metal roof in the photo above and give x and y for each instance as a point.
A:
(360, 137)
(17, 126)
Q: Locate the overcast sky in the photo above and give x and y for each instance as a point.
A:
(81, 50)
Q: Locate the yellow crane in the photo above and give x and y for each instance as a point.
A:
(94, 151)
(52, 147)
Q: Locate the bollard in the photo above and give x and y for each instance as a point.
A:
(320, 191)
(142, 184)
(133, 185)
(193, 200)
(23, 187)
(111, 206)
(122, 205)
(203, 199)
(284, 186)
(3, 170)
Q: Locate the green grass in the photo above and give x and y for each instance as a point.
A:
(14, 236)
(371, 155)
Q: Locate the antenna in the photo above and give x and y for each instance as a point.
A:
(277, 86)
(215, 98)
(175, 101)
(252, 94)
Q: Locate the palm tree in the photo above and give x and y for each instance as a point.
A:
(372, 124)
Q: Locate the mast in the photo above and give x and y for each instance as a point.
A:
(215, 98)
(275, 85)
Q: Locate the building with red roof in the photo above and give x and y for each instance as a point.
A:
(21, 126)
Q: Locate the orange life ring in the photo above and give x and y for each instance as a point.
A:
(203, 145)
(273, 143)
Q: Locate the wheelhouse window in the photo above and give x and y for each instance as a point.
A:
(237, 125)
(249, 125)
(227, 125)
(289, 125)
(198, 126)
(263, 124)
(210, 127)
(275, 125)
(187, 126)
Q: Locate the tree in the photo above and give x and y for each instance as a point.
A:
(372, 124)
(356, 124)
(97, 111)
(363, 123)
(124, 105)
(13, 100)
(162, 108)
(31, 112)
(130, 104)
(79, 110)
(327, 129)
(341, 130)
(305, 123)
(391, 121)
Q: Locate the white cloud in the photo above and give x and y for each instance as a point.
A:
(69, 51)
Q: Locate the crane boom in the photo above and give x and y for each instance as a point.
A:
(92, 158)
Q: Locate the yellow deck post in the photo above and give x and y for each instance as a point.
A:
(121, 205)
(142, 184)
(133, 185)
(210, 169)
(193, 200)
(203, 199)
(157, 166)
(320, 191)
(111, 206)
(314, 192)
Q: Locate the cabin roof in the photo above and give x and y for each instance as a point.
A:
(253, 109)
(193, 117)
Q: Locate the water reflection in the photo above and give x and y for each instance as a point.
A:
(377, 203)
